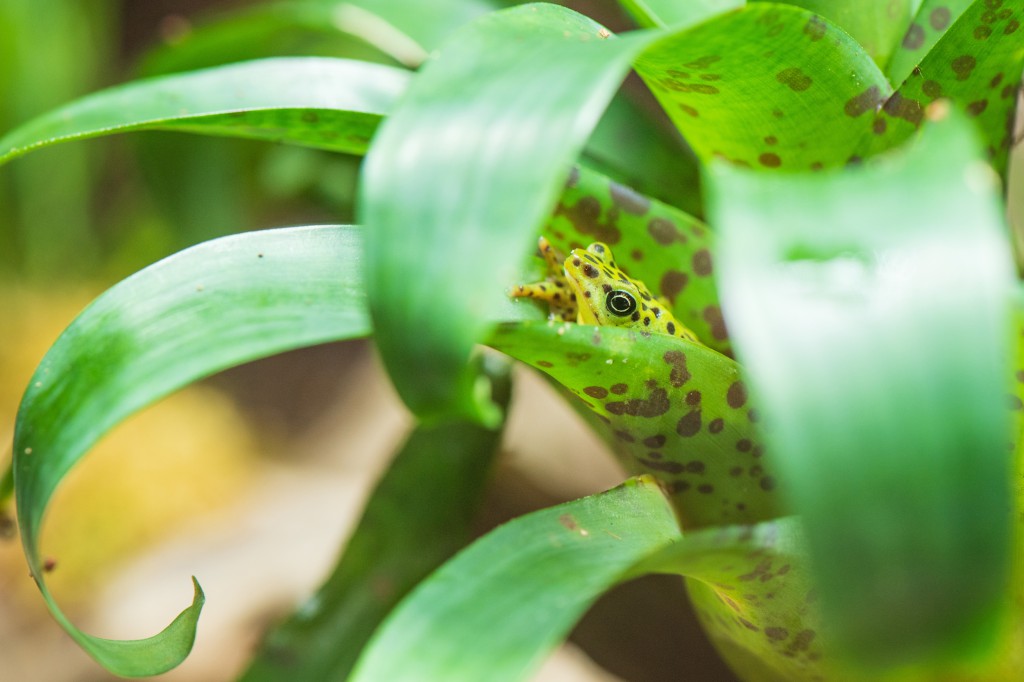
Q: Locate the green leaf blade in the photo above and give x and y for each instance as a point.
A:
(873, 333)
(208, 308)
(312, 101)
(769, 87)
(504, 603)
(444, 186)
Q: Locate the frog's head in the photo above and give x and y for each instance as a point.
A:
(606, 295)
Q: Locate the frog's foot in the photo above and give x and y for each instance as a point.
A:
(560, 298)
(555, 290)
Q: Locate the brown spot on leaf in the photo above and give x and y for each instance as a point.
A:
(689, 424)
(655, 441)
(716, 425)
(625, 436)
(770, 160)
(679, 374)
(776, 633)
(932, 89)
(975, 108)
(815, 28)
(736, 396)
(598, 392)
(702, 263)
(909, 110)
(668, 467)
(672, 283)
(655, 405)
(914, 37)
(963, 66)
(939, 18)
(619, 389)
(796, 79)
(664, 231)
(866, 101)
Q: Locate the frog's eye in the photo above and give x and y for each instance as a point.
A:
(620, 302)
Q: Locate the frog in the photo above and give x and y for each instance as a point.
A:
(588, 287)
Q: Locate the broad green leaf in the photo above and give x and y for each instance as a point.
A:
(878, 25)
(408, 529)
(977, 65)
(326, 103)
(870, 311)
(673, 409)
(930, 23)
(660, 13)
(465, 168)
(498, 608)
(667, 249)
(769, 86)
(215, 305)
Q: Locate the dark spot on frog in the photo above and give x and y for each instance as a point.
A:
(655, 405)
(590, 271)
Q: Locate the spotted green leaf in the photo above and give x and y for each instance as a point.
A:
(326, 103)
(878, 25)
(929, 24)
(768, 86)
(213, 306)
(672, 408)
(870, 310)
(977, 65)
(667, 249)
(407, 530)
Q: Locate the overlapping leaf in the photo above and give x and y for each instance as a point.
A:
(326, 103)
(769, 86)
(976, 64)
(870, 311)
(210, 307)
(673, 408)
(930, 23)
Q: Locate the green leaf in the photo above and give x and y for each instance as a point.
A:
(326, 103)
(933, 18)
(673, 409)
(500, 606)
(408, 529)
(660, 13)
(403, 31)
(769, 86)
(977, 65)
(878, 25)
(668, 250)
(213, 306)
(870, 311)
(496, 118)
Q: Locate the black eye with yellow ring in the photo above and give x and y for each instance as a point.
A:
(619, 302)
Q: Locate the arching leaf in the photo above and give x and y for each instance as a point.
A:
(207, 308)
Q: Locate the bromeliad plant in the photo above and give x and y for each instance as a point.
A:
(841, 503)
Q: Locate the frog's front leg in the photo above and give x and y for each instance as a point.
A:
(553, 290)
